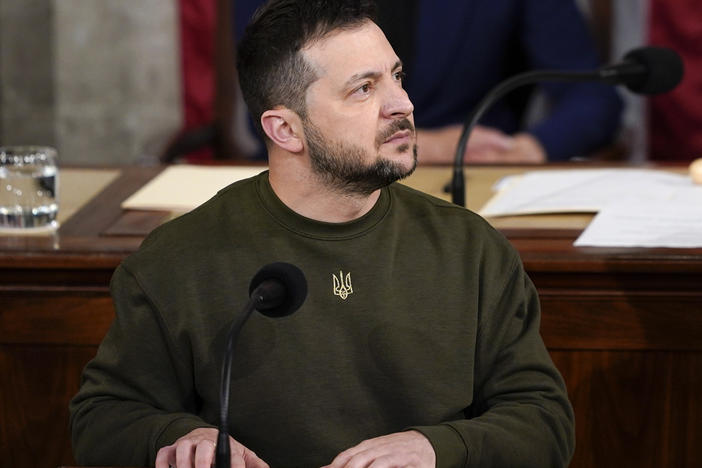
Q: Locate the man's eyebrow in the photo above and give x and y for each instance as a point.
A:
(369, 74)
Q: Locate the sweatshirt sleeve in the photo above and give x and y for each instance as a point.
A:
(136, 395)
(520, 414)
(555, 36)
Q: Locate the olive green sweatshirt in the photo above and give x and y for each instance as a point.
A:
(419, 315)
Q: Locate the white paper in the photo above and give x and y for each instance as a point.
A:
(581, 190)
(184, 187)
(659, 224)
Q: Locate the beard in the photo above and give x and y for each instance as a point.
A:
(341, 166)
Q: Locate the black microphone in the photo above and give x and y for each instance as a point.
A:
(646, 70)
(277, 290)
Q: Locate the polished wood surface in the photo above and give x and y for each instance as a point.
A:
(624, 326)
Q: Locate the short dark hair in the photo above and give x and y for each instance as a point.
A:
(272, 71)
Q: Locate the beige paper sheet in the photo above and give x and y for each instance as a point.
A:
(184, 187)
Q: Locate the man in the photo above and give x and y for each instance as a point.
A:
(418, 343)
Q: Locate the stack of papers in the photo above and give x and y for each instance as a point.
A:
(580, 190)
(636, 207)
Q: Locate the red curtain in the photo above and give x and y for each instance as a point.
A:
(675, 118)
(197, 30)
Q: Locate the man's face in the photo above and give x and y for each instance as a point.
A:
(359, 126)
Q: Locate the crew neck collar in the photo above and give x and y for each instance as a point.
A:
(319, 229)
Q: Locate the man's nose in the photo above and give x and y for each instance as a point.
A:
(397, 104)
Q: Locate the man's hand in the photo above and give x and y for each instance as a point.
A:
(525, 149)
(197, 449)
(407, 449)
(438, 146)
(485, 145)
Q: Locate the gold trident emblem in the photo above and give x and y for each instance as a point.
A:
(342, 286)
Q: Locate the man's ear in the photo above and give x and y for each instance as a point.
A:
(284, 127)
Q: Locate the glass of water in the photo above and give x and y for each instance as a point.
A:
(28, 187)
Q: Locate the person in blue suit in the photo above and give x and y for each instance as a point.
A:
(455, 51)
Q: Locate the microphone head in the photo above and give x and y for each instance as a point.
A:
(664, 70)
(281, 287)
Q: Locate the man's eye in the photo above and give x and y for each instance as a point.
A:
(365, 89)
(400, 76)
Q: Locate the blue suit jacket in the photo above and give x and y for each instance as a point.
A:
(463, 48)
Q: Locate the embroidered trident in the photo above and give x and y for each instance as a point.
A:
(342, 286)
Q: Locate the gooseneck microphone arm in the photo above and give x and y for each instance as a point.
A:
(222, 453)
(646, 70)
(277, 290)
(458, 185)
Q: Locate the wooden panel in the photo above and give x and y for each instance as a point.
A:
(50, 278)
(621, 321)
(634, 408)
(685, 410)
(582, 278)
(55, 318)
(37, 384)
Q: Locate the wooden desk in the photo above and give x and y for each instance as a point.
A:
(624, 326)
